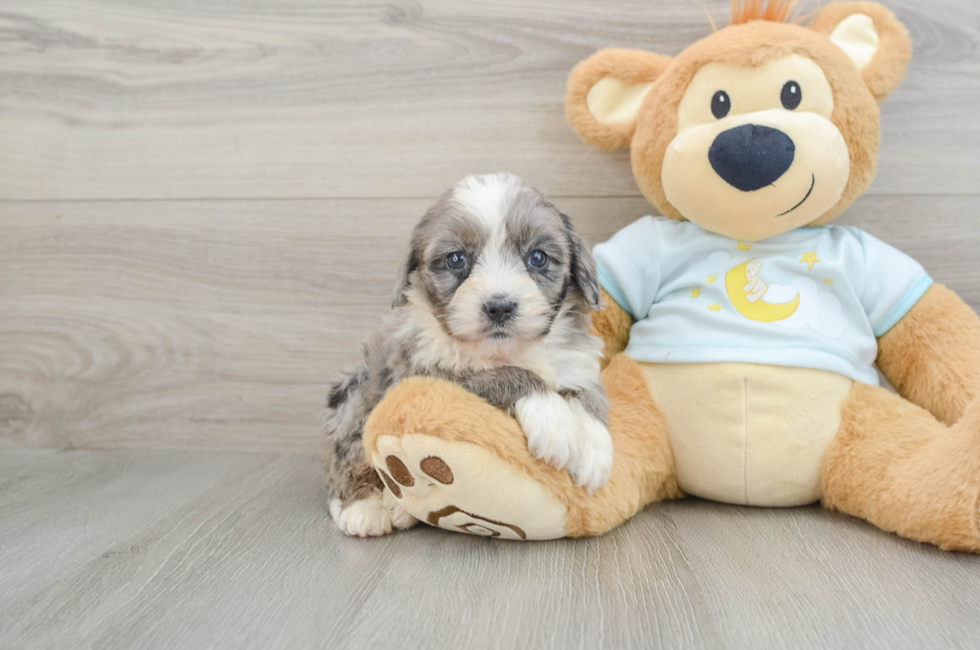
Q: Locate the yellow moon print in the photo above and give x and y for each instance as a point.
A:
(766, 312)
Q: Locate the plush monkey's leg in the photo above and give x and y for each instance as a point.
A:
(454, 461)
(895, 465)
(643, 465)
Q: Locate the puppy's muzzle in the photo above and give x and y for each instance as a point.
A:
(500, 311)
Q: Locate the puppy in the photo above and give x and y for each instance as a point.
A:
(496, 297)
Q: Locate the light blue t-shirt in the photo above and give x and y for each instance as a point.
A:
(809, 298)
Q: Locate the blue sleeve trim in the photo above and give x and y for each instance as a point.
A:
(613, 290)
(898, 311)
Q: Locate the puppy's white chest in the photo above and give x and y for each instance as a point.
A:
(565, 369)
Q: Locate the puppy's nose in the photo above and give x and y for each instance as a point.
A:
(500, 311)
(751, 156)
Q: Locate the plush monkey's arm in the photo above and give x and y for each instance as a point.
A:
(932, 355)
(612, 324)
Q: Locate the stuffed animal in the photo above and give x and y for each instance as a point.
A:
(742, 331)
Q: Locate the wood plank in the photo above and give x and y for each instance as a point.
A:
(218, 325)
(243, 556)
(123, 493)
(300, 98)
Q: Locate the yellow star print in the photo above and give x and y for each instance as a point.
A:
(696, 292)
(711, 279)
(714, 307)
(743, 247)
(810, 259)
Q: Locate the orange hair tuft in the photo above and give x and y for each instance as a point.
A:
(777, 11)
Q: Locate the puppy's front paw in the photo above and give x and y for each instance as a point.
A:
(549, 426)
(363, 518)
(591, 465)
(400, 518)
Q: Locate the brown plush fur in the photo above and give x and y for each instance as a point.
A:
(612, 324)
(932, 355)
(644, 467)
(895, 465)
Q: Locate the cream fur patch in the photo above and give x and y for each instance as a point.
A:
(613, 102)
(857, 36)
(746, 433)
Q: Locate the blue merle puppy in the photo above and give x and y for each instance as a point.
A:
(496, 295)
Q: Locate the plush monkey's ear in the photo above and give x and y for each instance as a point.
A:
(605, 92)
(874, 40)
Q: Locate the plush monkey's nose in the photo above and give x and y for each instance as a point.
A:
(500, 311)
(751, 156)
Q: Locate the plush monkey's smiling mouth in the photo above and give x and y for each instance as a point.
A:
(813, 181)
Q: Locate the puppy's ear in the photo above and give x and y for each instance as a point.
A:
(404, 280)
(583, 265)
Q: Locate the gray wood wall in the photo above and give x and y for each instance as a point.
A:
(203, 204)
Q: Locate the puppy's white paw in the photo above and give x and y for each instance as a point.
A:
(399, 517)
(364, 518)
(549, 426)
(591, 465)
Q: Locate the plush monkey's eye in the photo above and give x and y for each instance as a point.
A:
(791, 96)
(537, 259)
(456, 261)
(721, 103)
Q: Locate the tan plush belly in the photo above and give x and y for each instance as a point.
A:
(747, 433)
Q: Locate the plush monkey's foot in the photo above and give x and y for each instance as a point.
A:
(463, 487)
(895, 465)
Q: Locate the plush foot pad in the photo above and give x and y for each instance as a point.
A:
(463, 487)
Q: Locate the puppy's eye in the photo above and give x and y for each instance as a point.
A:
(721, 103)
(791, 96)
(537, 259)
(457, 261)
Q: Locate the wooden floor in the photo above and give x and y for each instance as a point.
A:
(203, 205)
(187, 550)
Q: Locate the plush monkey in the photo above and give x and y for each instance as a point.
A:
(749, 142)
